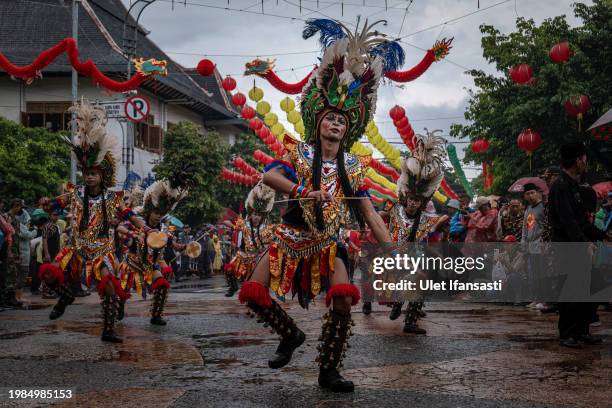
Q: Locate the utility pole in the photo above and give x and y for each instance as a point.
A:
(130, 42)
(75, 86)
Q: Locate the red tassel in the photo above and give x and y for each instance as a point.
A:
(123, 295)
(48, 270)
(160, 283)
(87, 68)
(255, 292)
(285, 87)
(415, 72)
(167, 270)
(342, 290)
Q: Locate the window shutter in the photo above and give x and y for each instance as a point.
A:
(155, 138)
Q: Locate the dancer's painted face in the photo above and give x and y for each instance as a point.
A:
(93, 177)
(333, 127)
(412, 204)
(255, 219)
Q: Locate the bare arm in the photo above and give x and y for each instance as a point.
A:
(375, 221)
(134, 219)
(276, 179)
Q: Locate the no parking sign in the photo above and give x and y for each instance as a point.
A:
(137, 108)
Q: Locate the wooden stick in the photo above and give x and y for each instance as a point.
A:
(306, 199)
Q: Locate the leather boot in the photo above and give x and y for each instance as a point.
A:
(109, 313)
(120, 309)
(396, 310)
(160, 295)
(412, 317)
(367, 308)
(65, 298)
(231, 289)
(12, 300)
(280, 322)
(337, 328)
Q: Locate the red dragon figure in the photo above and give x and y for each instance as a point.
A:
(264, 69)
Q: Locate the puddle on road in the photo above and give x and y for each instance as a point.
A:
(226, 340)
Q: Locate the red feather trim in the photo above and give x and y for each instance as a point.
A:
(342, 290)
(167, 270)
(255, 292)
(160, 283)
(48, 270)
(87, 68)
(414, 72)
(116, 284)
(285, 87)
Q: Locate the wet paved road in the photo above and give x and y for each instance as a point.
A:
(212, 354)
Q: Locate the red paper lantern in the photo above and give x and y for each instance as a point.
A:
(521, 74)
(397, 112)
(264, 132)
(401, 122)
(238, 99)
(480, 145)
(560, 52)
(255, 124)
(576, 106)
(405, 130)
(247, 112)
(529, 140)
(205, 67)
(229, 83)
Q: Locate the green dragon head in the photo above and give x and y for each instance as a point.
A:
(259, 67)
(150, 66)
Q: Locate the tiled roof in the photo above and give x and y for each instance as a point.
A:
(29, 27)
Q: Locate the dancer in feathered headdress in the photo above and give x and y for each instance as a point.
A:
(325, 183)
(94, 207)
(144, 265)
(409, 219)
(252, 236)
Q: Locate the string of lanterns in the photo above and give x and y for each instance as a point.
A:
(391, 153)
(287, 105)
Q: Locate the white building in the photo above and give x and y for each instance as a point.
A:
(27, 29)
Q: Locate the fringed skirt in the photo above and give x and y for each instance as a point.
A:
(88, 261)
(135, 274)
(302, 262)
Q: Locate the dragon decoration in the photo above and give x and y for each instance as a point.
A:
(28, 73)
(330, 30)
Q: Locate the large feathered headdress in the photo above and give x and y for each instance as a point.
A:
(422, 173)
(260, 199)
(164, 195)
(348, 77)
(93, 147)
(161, 196)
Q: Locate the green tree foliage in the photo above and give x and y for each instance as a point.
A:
(206, 155)
(500, 109)
(33, 162)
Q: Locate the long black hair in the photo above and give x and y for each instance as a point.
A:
(317, 165)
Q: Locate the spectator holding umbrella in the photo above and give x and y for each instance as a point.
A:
(481, 226)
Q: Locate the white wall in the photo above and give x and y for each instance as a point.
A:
(58, 89)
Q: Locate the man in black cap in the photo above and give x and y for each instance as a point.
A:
(569, 223)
